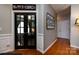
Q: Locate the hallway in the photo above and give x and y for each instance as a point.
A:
(61, 47)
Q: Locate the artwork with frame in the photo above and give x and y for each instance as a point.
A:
(50, 21)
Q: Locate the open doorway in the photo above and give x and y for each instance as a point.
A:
(63, 23)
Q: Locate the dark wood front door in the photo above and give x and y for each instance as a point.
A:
(25, 30)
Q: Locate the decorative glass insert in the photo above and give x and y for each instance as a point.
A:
(22, 16)
(29, 17)
(33, 17)
(18, 16)
(21, 27)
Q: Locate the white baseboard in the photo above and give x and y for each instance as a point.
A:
(40, 51)
(48, 47)
(74, 46)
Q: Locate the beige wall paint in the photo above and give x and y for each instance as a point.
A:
(6, 35)
(74, 35)
(5, 19)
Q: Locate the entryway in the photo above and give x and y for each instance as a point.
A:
(25, 30)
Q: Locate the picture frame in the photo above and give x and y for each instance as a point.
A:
(50, 21)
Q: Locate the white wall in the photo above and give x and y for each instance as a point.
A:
(74, 35)
(6, 43)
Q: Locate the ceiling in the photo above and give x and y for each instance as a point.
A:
(59, 7)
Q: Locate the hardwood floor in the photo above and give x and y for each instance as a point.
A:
(28, 52)
(61, 47)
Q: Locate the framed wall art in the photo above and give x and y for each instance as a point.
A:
(50, 21)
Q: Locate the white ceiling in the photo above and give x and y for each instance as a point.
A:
(59, 7)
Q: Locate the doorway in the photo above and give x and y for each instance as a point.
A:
(25, 30)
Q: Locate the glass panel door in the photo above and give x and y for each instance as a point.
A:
(25, 30)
